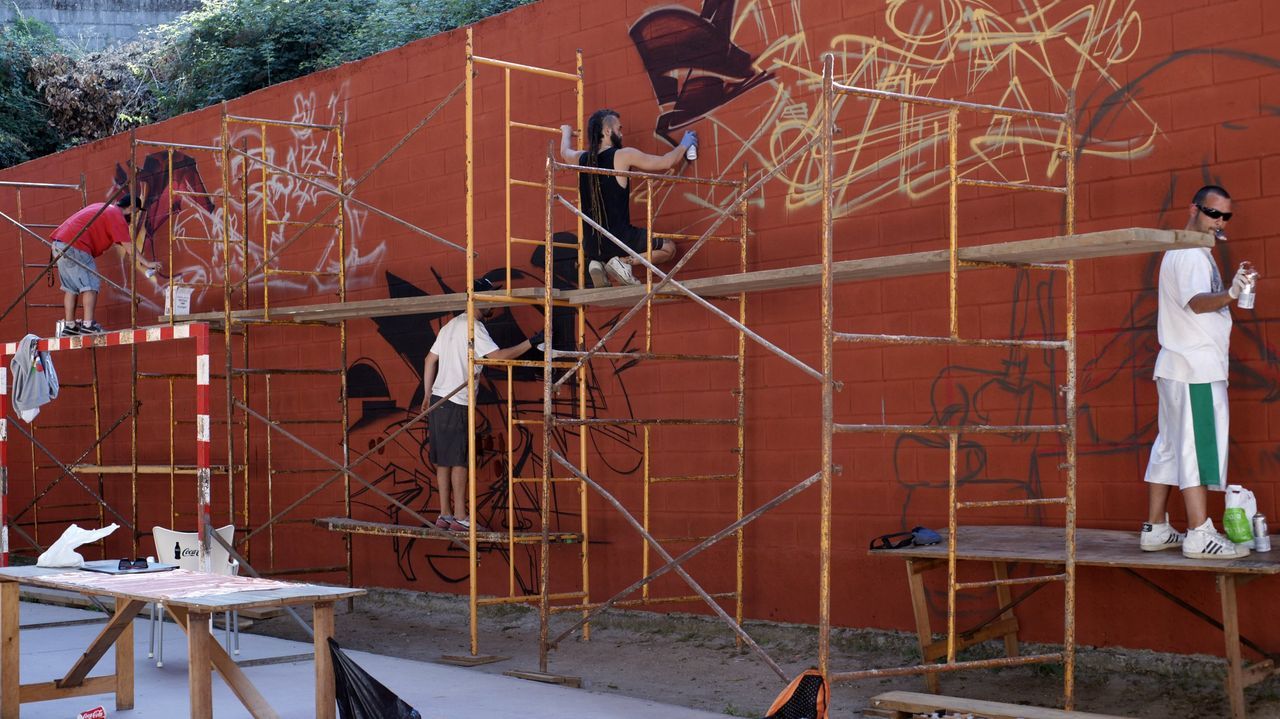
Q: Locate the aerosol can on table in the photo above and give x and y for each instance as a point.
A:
(1261, 538)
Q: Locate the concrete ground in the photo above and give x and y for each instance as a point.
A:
(53, 637)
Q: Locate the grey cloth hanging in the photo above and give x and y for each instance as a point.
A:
(35, 382)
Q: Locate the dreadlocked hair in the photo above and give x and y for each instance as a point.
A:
(595, 139)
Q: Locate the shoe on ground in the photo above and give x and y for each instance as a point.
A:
(444, 521)
(1155, 537)
(93, 328)
(1204, 542)
(71, 330)
(462, 524)
(620, 273)
(595, 268)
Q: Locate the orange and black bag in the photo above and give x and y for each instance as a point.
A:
(806, 697)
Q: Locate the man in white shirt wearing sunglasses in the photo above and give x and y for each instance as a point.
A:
(1194, 327)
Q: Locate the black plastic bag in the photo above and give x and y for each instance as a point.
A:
(360, 696)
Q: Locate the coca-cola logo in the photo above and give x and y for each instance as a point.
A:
(190, 552)
(94, 713)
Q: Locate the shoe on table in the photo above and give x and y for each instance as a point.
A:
(620, 273)
(596, 269)
(1204, 542)
(1155, 537)
(71, 330)
(444, 521)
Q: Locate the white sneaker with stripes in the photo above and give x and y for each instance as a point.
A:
(1204, 542)
(1155, 537)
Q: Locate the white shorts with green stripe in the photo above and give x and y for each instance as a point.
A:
(1191, 447)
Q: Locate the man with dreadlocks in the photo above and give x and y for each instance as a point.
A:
(606, 199)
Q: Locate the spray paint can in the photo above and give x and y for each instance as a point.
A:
(691, 153)
(1248, 295)
(1261, 538)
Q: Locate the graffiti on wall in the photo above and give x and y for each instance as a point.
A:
(403, 469)
(1000, 56)
(275, 200)
(1022, 56)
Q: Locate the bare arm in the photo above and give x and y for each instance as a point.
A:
(1214, 301)
(511, 352)
(567, 152)
(127, 251)
(629, 158)
(428, 377)
(1210, 301)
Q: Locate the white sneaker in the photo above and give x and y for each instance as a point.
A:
(1155, 537)
(620, 273)
(596, 269)
(1204, 542)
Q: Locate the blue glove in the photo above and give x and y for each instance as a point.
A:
(690, 138)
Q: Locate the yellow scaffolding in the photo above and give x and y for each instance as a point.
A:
(257, 181)
(1066, 344)
(546, 535)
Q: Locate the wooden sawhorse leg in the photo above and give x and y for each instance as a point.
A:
(1227, 586)
(1005, 597)
(920, 608)
(204, 655)
(322, 628)
(1239, 675)
(9, 681)
(1005, 626)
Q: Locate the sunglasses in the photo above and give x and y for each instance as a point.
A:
(1214, 214)
(920, 536)
(132, 564)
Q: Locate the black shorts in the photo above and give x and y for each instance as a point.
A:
(447, 431)
(637, 238)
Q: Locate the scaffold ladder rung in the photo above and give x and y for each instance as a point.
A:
(952, 429)
(860, 337)
(694, 478)
(1038, 501)
(987, 584)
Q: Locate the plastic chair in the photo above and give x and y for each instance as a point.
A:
(183, 549)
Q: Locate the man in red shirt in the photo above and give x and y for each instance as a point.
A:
(80, 238)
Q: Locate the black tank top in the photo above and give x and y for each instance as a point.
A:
(615, 216)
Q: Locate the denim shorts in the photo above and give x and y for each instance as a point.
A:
(73, 269)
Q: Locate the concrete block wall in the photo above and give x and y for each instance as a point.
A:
(93, 25)
(1170, 95)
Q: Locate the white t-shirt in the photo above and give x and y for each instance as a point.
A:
(451, 349)
(1193, 346)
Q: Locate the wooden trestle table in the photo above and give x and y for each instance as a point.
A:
(191, 598)
(1005, 545)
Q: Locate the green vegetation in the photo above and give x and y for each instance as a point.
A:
(52, 98)
(24, 132)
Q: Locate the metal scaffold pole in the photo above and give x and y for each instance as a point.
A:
(956, 504)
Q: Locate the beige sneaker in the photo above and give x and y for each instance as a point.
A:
(1204, 542)
(598, 278)
(620, 273)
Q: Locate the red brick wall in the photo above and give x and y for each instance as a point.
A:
(1171, 95)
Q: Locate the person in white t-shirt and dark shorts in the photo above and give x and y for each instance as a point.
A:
(444, 370)
(1194, 327)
